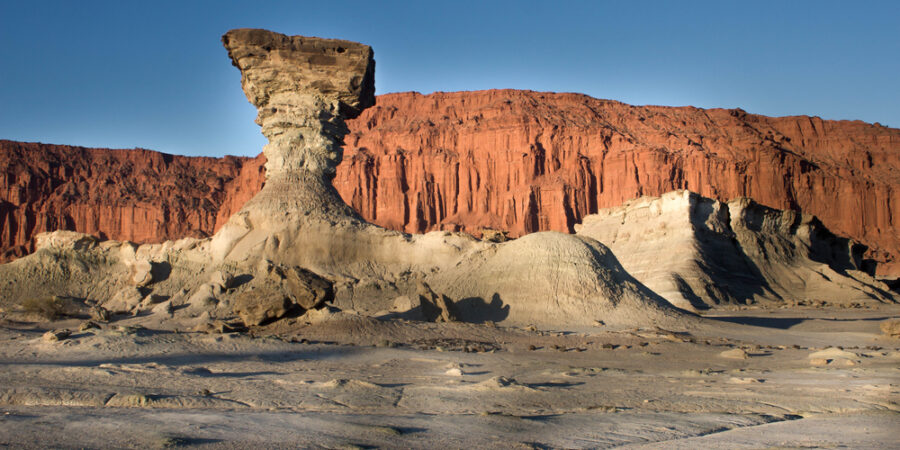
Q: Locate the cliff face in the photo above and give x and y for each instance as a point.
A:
(136, 195)
(525, 161)
(512, 160)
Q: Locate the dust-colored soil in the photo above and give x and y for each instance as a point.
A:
(752, 378)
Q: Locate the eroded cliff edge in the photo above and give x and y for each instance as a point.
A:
(513, 160)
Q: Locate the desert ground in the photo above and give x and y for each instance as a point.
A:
(743, 378)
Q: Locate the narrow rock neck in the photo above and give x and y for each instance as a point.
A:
(305, 137)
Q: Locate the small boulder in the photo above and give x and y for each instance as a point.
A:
(304, 288)
(492, 235)
(326, 314)
(56, 335)
(734, 353)
(435, 307)
(309, 290)
(99, 313)
(891, 328)
(141, 273)
(218, 327)
(259, 306)
(88, 325)
(128, 330)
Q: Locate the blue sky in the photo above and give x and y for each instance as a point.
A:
(153, 74)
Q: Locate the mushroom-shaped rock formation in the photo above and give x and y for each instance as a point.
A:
(303, 89)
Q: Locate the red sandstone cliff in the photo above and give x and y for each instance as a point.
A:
(525, 161)
(137, 195)
(514, 160)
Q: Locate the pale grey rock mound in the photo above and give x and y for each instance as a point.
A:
(296, 244)
(698, 253)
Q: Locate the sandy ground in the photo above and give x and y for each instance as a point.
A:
(354, 382)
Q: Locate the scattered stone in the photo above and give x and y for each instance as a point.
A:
(100, 314)
(454, 372)
(492, 235)
(218, 327)
(56, 335)
(141, 273)
(302, 287)
(167, 441)
(88, 325)
(259, 306)
(832, 353)
(735, 353)
(891, 328)
(128, 330)
(499, 382)
(435, 308)
(744, 380)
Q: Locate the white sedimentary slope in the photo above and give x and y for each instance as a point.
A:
(697, 252)
(296, 244)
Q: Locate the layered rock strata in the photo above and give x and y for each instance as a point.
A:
(517, 161)
(699, 253)
(135, 195)
(303, 89)
(525, 161)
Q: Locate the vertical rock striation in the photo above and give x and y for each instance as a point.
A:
(526, 161)
(512, 160)
(136, 195)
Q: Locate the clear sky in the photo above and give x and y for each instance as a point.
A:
(153, 74)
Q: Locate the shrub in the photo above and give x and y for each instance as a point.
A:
(49, 308)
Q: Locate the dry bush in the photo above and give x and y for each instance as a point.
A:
(49, 308)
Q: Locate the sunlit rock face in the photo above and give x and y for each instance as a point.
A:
(303, 89)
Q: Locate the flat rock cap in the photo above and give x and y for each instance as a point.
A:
(334, 69)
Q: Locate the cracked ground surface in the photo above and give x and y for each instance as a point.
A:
(754, 378)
